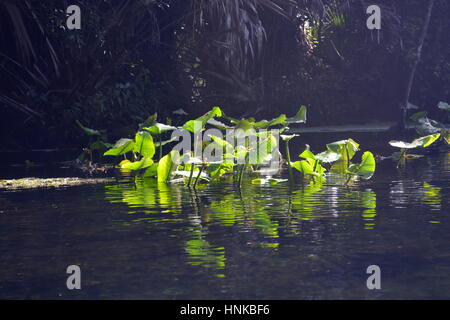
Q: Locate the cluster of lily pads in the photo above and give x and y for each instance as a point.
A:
(338, 156)
(139, 153)
(430, 131)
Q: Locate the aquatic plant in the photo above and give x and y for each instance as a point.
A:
(250, 146)
(96, 141)
(340, 151)
(423, 142)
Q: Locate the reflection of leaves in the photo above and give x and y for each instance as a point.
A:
(201, 253)
(432, 196)
(369, 202)
(307, 200)
(145, 193)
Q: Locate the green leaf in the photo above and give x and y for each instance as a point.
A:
(304, 167)
(99, 145)
(346, 148)
(163, 143)
(300, 117)
(418, 115)
(419, 142)
(88, 131)
(220, 141)
(428, 140)
(122, 146)
(366, 168)
(218, 170)
(265, 124)
(144, 144)
(190, 125)
(287, 137)
(159, 128)
(137, 165)
(167, 165)
(307, 154)
(328, 156)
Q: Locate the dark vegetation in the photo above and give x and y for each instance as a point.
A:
(253, 58)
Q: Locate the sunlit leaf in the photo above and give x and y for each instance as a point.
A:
(191, 124)
(300, 117)
(366, 168)
(122, 146)
(159, 128)
(167, 165)
(346, 148)
(137, 165)
(144, 144)
(328, 156)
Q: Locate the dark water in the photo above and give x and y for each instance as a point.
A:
(314, 241)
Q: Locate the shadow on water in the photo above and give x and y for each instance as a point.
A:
(140, 239)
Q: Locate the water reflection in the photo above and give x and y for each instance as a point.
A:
(266, 213)
(262, 211)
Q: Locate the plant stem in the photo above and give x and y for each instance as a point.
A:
(190, 176)
(288, 157)
(198, 177)
(160, 147)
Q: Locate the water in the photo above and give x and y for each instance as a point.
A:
(135, 239)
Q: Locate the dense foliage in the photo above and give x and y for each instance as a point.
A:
(253, 58)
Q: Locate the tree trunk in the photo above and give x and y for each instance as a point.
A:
(416, 62)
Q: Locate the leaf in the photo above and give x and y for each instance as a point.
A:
(88, 131)
(220, 141)
(411, 106)
(99, 145)
(403, 145)
(300, 117)
(328, 156)
(180, 112)
(366, 168)
(167, 165)
(419, 115)
(218, 124)
(159, 128)
(304, 167)
(428, 140)
(144, 144)
(265, 124)
(307, 154)
(346, 148)
(137, 165)
(443, 106)
(201, 121)
(286, 137)
(419, 142)
(163, 143)
(218, 170)
(122, 146)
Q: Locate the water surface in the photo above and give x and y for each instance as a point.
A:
(137, 239)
